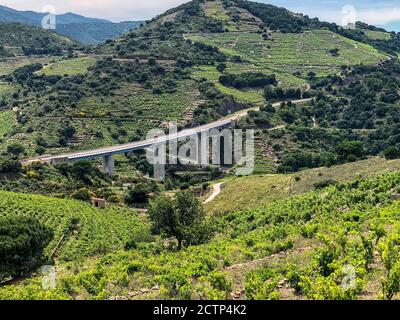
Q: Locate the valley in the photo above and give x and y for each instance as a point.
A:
(323, 102)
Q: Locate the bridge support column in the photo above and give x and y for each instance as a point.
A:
(203, 149)
(108, 165)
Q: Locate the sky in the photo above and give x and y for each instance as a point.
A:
(385, 13)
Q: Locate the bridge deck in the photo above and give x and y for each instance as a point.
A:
(123, 148)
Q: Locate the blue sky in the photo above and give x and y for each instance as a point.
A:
(382, 13)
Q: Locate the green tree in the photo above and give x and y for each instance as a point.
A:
(8, 165)
(350, 148)
(182, 218)
(311, 75)
(391, 152)
(221, 67)
(82, 194)
(16, 149)
(138, 194)
(22, 240)
(152, 61)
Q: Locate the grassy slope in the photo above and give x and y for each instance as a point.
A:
(69, 67)
(7, 122)
(254, 191)
(8, 65)
(377, 35)
(293, 52)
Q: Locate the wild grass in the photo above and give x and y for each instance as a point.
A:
(69, 67)
(254, 191)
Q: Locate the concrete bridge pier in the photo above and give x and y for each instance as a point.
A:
(108, 165)
(203, 149)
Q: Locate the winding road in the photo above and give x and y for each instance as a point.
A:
(216, 192)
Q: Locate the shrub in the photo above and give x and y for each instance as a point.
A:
(261, 285)
(325, 183)
(22, 241)
(83, 194)
(391, 152)
(15, 149)
(10, 166)
(138, 194)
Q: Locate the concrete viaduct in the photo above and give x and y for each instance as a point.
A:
(107, 152)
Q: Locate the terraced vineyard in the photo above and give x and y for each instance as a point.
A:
(351, 224)
(287, 53)
(97, 231)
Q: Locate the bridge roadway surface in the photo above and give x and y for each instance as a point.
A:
(123, 148)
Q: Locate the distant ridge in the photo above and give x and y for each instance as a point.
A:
(78, 27)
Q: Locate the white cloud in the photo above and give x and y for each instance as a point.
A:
(369, 11)
(379, 16)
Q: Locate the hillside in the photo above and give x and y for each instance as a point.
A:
(105, 112)
(242, 193)
(321, 206)
(83, 29)
(96, 32)
(22, 45)
(292, 249)
(19, 39)
(85, 231)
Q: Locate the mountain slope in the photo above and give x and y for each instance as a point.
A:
(175, 53)
(20, 39)
(11, 15)
(83, 29)
(95, 32)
